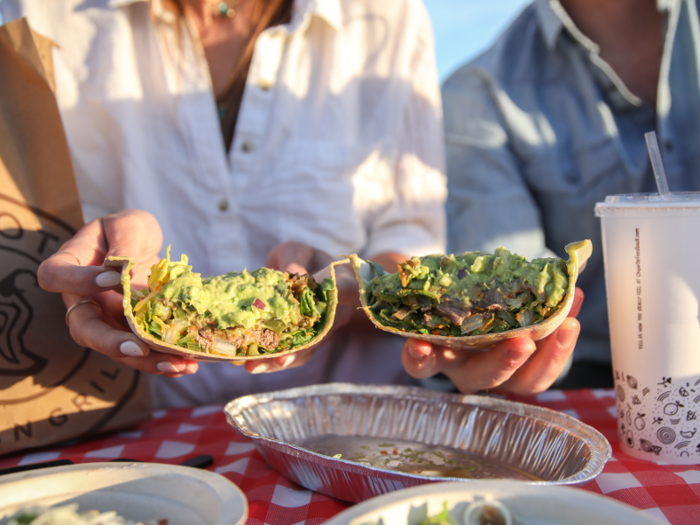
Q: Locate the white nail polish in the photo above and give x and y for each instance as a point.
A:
(108, 279)
(167, 367)
(262, 367)
(290, 359)
(131, 349)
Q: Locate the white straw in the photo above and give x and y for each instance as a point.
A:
(656, 164)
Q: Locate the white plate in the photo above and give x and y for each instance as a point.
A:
(528, 505)
(136, 491)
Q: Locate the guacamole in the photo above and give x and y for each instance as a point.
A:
(237, 314)
(469, 294)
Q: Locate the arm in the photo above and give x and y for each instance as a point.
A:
(489, 205)
(413, 221)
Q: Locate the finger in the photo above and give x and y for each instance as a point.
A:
(346, 282)
(56, 274)
(419, 359)
(89, 330)
(546, 365)
(576, 305)
(486, 370)
(77, 267)
(297, 257)
(133, 233)
(113, 309)
(291, 256)
(277, 363)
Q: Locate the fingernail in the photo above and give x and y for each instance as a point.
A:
(108, 279)
(417, 352)
(167, 367)
(131, 349)
(566, 337)
(191, 368)
(522, 353)
(289, 360)
(262, 367)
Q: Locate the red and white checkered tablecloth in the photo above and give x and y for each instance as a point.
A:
(671, 493)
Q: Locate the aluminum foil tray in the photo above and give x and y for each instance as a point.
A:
(354, 442)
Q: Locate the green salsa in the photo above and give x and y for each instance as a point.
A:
(261, 311)
(469, 294)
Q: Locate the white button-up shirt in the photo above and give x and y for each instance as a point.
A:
(338, 141)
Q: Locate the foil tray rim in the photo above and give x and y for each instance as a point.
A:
(599, 454)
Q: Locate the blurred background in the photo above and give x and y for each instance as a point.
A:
(464, 28)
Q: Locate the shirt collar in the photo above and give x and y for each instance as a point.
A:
(328, 10)
(550, 23)
(156, 8)
(122, 3)
(554, 19)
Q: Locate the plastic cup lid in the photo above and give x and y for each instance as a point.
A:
(675, 203)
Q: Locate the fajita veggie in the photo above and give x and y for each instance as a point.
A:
(237, 315)
(468, 294)
(473, 299)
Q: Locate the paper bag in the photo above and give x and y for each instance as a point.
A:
(51, 389)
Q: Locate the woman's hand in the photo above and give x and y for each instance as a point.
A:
(518, 366)
(297, 257)
(92, 293)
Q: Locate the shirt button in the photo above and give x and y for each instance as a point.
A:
(264, 84)
(669, 146)
(248, 146)
(223, 204)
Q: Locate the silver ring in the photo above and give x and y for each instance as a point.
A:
(70, 253)
(81, 303)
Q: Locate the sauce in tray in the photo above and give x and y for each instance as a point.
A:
(413, 458)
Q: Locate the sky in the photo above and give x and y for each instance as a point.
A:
(464, 28)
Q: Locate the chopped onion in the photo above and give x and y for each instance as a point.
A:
(472, 323)
(515, 302)
(461, 274)
(525, 317)
(223, 347)
(401, 314)
(259, 304)
(171, 334)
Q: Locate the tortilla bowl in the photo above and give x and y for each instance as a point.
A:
(125, 264)
(579, 252)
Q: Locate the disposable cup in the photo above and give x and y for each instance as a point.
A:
(651, 253)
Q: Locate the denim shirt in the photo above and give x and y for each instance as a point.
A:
(539, 128)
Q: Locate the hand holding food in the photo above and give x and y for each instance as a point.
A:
(518, 365)
(473, 300)
(453, 308)
(92, 293)
(239, 316)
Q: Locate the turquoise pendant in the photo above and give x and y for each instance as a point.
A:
(225, 10)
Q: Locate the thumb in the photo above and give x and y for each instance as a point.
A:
(290, 256)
